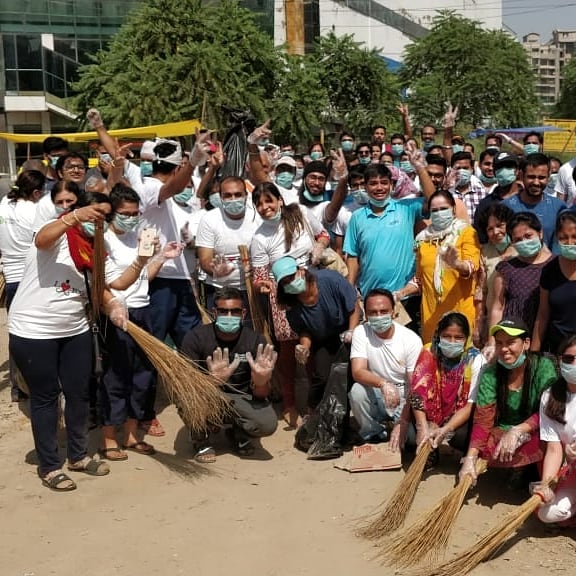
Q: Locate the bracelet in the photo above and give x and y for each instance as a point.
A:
(63, 219)
(76, 216)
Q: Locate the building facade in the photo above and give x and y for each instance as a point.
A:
(548, 60)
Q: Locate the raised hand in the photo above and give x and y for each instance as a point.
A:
(450, 117)
(403, 109)
(260, 133)
(199, 154)
(172, 250)
(221, 267)
(416, 157)
(219, 364)
(264, 363)
(339, 165)
(94, 118)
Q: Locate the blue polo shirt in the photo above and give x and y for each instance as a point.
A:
(384, 244)
(546, 210)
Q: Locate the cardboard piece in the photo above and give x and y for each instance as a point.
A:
(370, 457)
(402, 317)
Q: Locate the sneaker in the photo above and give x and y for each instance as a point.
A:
(241, 443)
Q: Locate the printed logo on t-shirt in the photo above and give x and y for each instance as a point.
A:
(66, 289)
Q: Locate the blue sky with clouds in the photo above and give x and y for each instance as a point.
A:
(542, 16)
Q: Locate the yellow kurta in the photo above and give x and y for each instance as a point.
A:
(458, 292)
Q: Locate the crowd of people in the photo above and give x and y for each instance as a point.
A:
(442, 275)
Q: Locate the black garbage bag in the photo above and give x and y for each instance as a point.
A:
(235, 146)
(321, 435)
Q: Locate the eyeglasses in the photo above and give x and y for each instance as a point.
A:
(229, 311)
(314, 178)
(364, 152)
(568, 358)
(72, 167)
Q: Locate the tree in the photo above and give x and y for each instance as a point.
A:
(566, 106)
(362, 91)
(176, 59)
(485, 72)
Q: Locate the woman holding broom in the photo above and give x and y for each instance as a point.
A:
(558, 431)
(50, 337)
(444, 386)
(506, 418)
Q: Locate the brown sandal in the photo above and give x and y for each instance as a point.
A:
(114, 454)
(141, 448)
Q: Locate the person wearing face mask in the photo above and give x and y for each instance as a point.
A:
(531, 197)
(505, 431)
(428, 136)
(447, 259)
(53, 148)
(17, 212)
(347, 143)
(359, 197)
(397, 142)
(284, 175)
(444, 386)
(463, 184)
(532, 143)
(322, 309)
(219, 234)
(485, 171)
(558, 432)
(129, 376)
(505, 170)
(493, 143)
(566, 183)
(364, 153)
(555, 164)
(240, 359)
(383, 359)
(517, 280)
(316, 152)
(556, 318)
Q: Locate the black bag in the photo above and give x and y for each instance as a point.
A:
(235, 145)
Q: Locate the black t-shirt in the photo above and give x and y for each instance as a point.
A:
(201, 342)
(330, 315)
(561, 298)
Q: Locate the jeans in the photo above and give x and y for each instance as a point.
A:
(256, 418)
(11, 288)
(47, 366)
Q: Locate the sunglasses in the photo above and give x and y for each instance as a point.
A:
(226, 311)
(568, 358)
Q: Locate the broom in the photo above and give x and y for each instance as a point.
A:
(396, 509)
(430, 533)
(2, 290)
(260, 323)
(486, 546)
(195, 393)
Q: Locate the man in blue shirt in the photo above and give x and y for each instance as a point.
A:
(536, 172)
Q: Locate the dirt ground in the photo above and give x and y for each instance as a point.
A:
(274, 515)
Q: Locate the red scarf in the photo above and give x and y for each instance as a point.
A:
(81, 248)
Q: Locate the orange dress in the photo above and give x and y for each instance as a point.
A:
(457, 292)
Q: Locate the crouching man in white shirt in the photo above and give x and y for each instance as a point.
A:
(383, 358)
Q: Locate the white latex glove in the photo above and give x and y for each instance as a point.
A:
(422, 435)
(449, 120)
(94, 118)
(316, 254)
(509, 443)
(438, 435)
(221, 267)
(346, 337)
(390, 394)
(265, 361)
(398, 436)
(339, 165)
(260, 133)
(489, 353)
(185, 234)
(219, 364)
(416, 157)
(468, 469)
(117, 311)
(543, 490)
(570, 452)
(199, 154)
(449, 256)
(301, 353)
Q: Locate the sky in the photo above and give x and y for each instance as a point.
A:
(542, 16)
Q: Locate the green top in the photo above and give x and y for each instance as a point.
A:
(544, 376)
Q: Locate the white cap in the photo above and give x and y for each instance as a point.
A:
(174, 158)
(147, 150)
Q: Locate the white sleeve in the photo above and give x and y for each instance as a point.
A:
(413, 351)
(315, 224)
(359, 343)
(477, 366)
(258, 252)
(205, 237)
(111, 270)
(548, 428)
(45, 211)
(132, 174)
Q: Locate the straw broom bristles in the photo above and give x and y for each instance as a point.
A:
(486, 546)
(2, 290)
(98, 259)
(430, 533)
(397, 507)
(195, 393)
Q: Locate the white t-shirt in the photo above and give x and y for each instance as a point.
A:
(319, 212)
(289, 195)
(16, 235)
(552, 431)
(393, 359)
(223, 235)
(45, 211)
(267, 245)
(160, 216)
(122, 250)
(565, 183)
(51, 298)
(187, 215)
(341, 224)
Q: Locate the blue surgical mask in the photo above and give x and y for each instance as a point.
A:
(361, 196)
(568, 251)
(505, 176)
(276, 216)
(380, 324)
(397, 149)
(457, 148)
(464, 176)
(184, 196)
(106, 158)
(59, 210)
(264, 142)
(503, 244)
(347, 145)
(365, 160)
(531, 149)
(528, 248)
(406, 167)
(553, 180)
(487, 179)
(228, 324)
(285, 179)
(518, 362)
(451, 349)
(126, 223)
(427, 144)
(297, 286)
(568, 372)
(215, 200)
(379, 203)
(299, 173)
(316, 155)
(442, 219)
(145, 168)
(311, 197)
(234, 207)
(286, 153)
(90, 228)
(54, 161)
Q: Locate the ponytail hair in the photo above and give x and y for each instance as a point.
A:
(26, 184)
